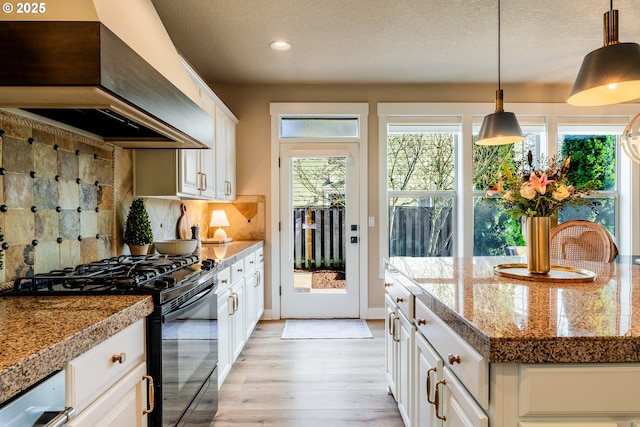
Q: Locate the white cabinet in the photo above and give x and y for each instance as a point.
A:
(456, 406)
(225, 123)
(399, 347)
(225, 331)
(428, 373)
(187, 174)
(205, 174)
(240, 305)
(108, 385)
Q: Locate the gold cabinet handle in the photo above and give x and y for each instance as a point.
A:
(387, 284)
(120, 358)
(399, 299)
(396, 338)
(422, 321)
(150, 394)
(223, 281)
(232, 305)
(251, 262)
(391, 323)
(239, 270)
(433, 402)
(453, 358)
(436, 400)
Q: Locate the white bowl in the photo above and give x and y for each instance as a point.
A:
(176, 247)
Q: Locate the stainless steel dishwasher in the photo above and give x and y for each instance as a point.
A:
(42, 405)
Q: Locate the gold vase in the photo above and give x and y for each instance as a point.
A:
(538, 258)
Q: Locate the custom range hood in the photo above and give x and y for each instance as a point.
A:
(82, 74)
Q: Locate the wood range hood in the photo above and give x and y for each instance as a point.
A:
(81, 74)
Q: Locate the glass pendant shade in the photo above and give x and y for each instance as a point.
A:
(610, 74)
(631, 139)
(501, 127)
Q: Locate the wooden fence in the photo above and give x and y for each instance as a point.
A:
(319, 237)
(418, 231)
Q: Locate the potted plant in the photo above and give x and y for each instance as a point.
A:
(137, 233)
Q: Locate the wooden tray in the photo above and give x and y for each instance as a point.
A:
(557, 273)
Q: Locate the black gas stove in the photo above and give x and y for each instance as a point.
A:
(183, 288)
(164, 276)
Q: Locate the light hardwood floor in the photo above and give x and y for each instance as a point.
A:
(308, 383)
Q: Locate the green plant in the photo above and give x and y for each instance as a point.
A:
(138, 228)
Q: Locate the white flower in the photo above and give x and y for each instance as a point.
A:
(561, 193)
(528, 192)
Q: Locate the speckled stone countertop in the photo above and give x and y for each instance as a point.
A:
(40, 334)
(519, 321)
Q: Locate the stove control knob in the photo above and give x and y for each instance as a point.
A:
(171, 281)
(208, 264)
(160, 284)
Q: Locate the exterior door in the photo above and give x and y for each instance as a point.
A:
(320, 232)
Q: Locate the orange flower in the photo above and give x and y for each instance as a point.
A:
(539, 183)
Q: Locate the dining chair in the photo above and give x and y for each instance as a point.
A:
(582, 240)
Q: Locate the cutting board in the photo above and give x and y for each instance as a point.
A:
(184, 228)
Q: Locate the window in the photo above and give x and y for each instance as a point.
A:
(421, 187)
(448, 213)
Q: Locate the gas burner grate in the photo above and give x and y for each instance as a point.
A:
(110, 274)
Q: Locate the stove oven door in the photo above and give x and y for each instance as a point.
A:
(189, 362)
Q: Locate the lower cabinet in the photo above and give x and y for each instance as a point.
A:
(440, 381)
(108, 385)
(399, 350)
(240, 306)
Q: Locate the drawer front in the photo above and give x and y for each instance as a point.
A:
(91, 374)
(593, 390)
(467, 364)
(260, 255)
(237, 270)
(224, 279)
(400, 296)
(250, 262)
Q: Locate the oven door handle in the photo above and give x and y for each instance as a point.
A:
(196, 301)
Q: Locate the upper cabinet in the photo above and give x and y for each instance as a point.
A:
(206, 174)
(225, 124)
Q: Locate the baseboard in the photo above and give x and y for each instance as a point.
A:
(376, 313)
(372, 313)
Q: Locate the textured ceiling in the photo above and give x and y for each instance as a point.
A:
(391, 41)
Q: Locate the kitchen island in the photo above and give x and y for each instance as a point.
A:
(512, 352)
(39, 335)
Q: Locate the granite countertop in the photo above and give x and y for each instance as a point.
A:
(39, 335)
(520, 321)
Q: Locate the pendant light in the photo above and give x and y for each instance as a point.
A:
(500, 127)
(610, 74)
(630, 139)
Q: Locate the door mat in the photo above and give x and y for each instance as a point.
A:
(325, 329)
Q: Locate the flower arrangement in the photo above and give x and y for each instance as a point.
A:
(537, 192)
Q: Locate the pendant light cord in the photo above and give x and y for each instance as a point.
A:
(499, 44)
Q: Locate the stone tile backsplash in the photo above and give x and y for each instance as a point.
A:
(57, 197)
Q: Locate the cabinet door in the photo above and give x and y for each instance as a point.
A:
(259, 288)
(224, 335)
(237, 319)
(121, 405)
(225, 155)
(458, 407)
(403, 382)
(428, 373)
(391, 349)
(251, 314)
(189, 172)
(207, 173)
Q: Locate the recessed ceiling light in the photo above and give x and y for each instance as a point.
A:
(280, 45)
